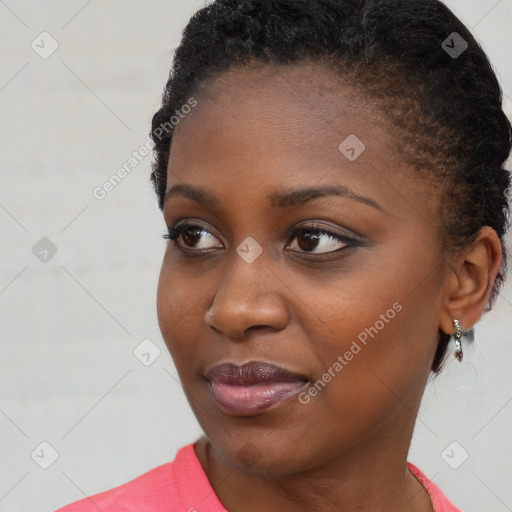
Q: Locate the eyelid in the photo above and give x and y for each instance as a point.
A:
(313, 225)
(192, 222)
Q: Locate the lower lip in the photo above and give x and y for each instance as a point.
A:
(248, 400)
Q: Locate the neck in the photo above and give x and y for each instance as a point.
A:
(365, 478)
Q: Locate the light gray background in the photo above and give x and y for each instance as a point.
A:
(68, 375)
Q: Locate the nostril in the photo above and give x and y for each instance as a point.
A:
(256, 327)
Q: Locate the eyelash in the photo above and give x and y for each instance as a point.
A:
(174, 233)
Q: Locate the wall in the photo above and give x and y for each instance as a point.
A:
(79, 271)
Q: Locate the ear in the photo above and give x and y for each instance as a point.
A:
(470, 280)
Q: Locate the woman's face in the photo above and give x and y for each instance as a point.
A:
(357, 316)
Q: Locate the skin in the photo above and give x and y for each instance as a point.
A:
(256, 131)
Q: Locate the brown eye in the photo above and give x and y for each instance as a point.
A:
(310, 239)
(191, 235)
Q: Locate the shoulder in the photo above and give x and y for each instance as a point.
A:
(439, 500)
(154, 490)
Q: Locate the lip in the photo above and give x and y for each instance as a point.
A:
(250, 388)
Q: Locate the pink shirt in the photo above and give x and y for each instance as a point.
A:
(182, 486)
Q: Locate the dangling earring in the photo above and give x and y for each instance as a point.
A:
(458, 339)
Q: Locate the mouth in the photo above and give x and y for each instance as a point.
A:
(253, 387)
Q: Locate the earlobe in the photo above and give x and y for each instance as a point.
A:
(471, 280)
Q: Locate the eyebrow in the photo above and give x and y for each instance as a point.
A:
(281, 200)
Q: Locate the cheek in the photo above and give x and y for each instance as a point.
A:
(166, 303)
(371, 373)
(382, 321)
(177, 309)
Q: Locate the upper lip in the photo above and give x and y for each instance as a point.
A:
(252, 372)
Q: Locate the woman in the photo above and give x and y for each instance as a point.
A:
(337, 207)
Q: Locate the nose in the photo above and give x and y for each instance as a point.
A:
(249, 297)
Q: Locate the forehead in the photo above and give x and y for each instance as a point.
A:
(299, 109)
(282, 96)
(265, 127)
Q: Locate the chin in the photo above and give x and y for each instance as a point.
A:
(264, 459)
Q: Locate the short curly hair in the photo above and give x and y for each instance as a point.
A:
(445, 108)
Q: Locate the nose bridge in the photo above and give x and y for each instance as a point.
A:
(248, 294)
(248, 274)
